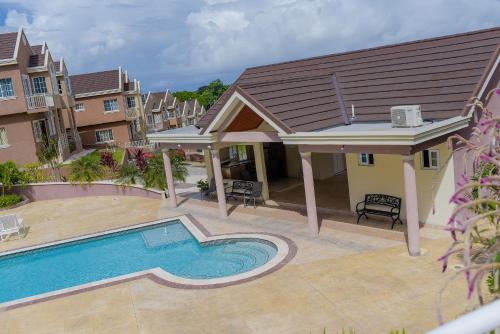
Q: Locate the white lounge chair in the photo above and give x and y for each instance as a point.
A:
(10, 224)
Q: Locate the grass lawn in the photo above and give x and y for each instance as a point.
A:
(118, 154)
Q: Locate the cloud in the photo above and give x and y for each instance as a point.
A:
(186, 44)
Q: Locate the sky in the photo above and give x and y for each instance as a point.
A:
(184, 44)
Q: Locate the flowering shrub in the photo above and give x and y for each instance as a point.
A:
(107, 160)
(474, 225)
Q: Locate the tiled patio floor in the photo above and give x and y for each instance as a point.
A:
(350, 276)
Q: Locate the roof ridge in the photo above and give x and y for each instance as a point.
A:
(379, 47)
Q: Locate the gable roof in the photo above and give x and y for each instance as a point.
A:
(95, 82)
(8, 45)
(154, 101)
(440, 74)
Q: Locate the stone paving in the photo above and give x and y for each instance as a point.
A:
(349, 277)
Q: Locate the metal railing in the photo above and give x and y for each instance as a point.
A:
(39, 101)
(143, 143)
(481, 321)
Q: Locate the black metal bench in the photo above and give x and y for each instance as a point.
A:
(246, 190)
(380, 205)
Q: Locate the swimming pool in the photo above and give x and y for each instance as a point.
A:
(168, 249)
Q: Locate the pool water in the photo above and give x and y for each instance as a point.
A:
(169, 246)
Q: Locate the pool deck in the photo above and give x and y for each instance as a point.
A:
(350, 276)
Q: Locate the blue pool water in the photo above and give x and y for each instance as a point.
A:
(169, 246)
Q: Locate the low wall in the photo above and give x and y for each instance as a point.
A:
(57, 190)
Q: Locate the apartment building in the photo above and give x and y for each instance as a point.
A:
(164, 111)
(108, 108)
(35, 98)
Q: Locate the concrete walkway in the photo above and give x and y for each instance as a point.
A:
(350, 276)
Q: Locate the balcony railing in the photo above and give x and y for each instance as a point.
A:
(39, 101)
(131, 113)
(144, 143)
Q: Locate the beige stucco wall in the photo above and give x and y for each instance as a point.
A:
(434, 187)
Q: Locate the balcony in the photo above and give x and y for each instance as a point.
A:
(39, 101)
(131, 113)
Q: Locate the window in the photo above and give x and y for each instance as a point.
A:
(430, 159)
(130, 102)
(40, 85)
(3, 138)
(79, 107)
(6, 89)
(238, 152)
(150, 119)
(59, 86)
(104, 136)
(51, 123)
(68, 84)
(366, 159)
(111, 105)
(37, 130)
(157, 118)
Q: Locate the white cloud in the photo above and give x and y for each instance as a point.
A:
(189, 43)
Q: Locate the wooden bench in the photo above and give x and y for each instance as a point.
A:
(380, 205)
(245, 189)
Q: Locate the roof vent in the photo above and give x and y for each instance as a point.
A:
(406, 116)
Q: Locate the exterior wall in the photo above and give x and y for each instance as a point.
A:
(94, 110)
(434, 187)
(22, 146)
(120, 134)
(15, 104)
(48, 191)
(323, 164)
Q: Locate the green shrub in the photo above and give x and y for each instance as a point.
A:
(9, 200)
(11, 175)
(129, 174)
(36, 172)
(154, 174)
(86, 169)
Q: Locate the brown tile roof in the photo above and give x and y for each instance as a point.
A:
(36, 60)
(57, 65)
(7, 45)
(440, 74)
(128, 86)
(154, 101)
(37, 49)
(95, 82)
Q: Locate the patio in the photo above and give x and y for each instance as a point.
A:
(340, 279)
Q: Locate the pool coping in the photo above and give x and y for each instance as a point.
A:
(286, 251)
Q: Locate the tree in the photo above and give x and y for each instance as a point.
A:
(10, 175)
(154, 175)
(49, 154)
(129, 174)
(86, 169)
(206, 95)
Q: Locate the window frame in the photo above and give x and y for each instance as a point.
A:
(37, 130)
(429, 159)
(37, 85)
(370, 159)
(98, 135)
(79, 104)
(131, 98)
(7, 87)
(109, 102)
(4, 141)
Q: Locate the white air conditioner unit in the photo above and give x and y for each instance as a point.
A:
(406, 116)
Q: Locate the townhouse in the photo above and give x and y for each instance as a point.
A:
(164, 111)
(108, 108)
(35, 99)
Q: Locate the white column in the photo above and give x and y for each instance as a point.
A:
(307, 171)
(219, 183)
(208, 164)
(412, 223)
(260, 166)
(170, 179)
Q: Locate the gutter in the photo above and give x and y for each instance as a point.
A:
(380, 137)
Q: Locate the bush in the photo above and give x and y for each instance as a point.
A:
(36, 172)
(9, 200)
(10, 175)
(154, 175)
(86, 169)
(129, 174)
